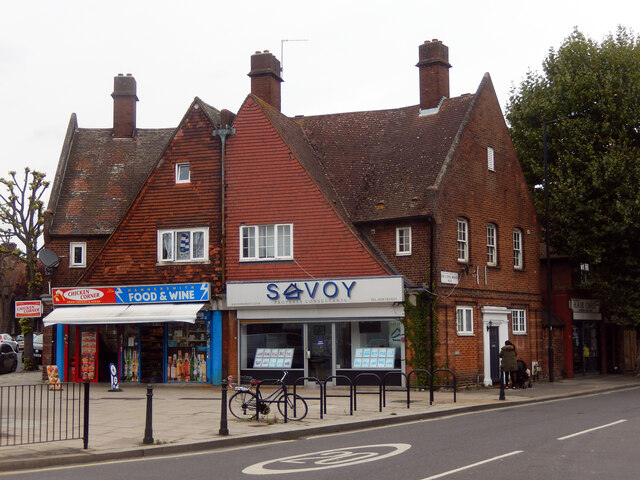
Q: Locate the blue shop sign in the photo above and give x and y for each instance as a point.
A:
(174, 293)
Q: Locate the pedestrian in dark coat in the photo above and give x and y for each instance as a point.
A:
(509, 363)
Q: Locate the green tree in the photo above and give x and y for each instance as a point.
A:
(22, 218)
(594, 159)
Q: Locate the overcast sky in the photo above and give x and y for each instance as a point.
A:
(59, 57)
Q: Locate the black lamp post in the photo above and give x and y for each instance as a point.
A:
(545, 153)
(546, 239)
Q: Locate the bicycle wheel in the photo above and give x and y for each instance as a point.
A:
(242, 405)
(296, 406)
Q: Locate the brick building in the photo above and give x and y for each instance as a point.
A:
(316, 228)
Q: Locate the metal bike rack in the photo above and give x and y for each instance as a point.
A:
(419, 371)
(259, 400)
(450, 385)
(355, 389)
(386, 389)
(350, 396)
(320, 398)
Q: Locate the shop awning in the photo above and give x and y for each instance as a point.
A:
(114, 314)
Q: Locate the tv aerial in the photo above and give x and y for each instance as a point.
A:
(282, 50)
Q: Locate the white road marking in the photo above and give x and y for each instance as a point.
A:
(467, 467)
(334, 458)
(591, 430)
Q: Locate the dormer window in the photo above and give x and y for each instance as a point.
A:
(77, 255)
(183, 173)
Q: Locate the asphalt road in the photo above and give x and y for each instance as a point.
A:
(585, 437)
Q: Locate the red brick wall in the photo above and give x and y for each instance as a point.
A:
(501, 197)
(415, 266)
(130, 255)
(62, 275)
(267, 185)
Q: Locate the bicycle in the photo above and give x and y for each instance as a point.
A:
(246, 404)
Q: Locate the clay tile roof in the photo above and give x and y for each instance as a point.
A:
(101, 177)
(384, 164)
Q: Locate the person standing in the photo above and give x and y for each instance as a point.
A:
(509, 363)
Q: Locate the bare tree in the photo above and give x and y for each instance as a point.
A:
(22, 218)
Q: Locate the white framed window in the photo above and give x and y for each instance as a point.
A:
(492, 245)
(519, 321)
(584, 272)
(77, 255)
(491, 159)
(463, 240)
(183, 173)
(266, 242)
(183, 245)
(517, 249)
(464, 316)
(403, 241)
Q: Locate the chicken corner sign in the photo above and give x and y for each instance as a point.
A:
(28, 308)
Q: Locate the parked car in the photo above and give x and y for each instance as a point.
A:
(20, 340)
(37, 348)
(6, 338)
(8, 358)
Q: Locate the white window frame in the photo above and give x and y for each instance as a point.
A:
(83, 255)
(403, 241)
(519, 321)
(492, 244)
(169, 253)
(259, 243)
(463, 240)
(464, 320)
(491, 159)
(518, 262)
(179, 167)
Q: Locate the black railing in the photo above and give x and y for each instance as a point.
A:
(355, 389)
(341, 395)
(43, 413)
(452, 385)
(301, 380)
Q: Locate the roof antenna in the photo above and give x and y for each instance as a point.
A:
(282, 50)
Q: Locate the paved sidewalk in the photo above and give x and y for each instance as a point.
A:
(186, 418)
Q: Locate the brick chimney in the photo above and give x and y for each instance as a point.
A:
(434, 73)
(124, 105)
(265, 78)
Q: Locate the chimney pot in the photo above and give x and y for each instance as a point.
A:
(124, 105)
(265, 78)
(434, 66)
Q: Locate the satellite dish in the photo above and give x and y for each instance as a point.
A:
(49, 258)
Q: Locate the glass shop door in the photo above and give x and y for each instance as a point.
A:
(319, 351)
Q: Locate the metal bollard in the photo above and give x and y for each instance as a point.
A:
(223, 411)
(85, 436)
(148, 429)
(501, 397)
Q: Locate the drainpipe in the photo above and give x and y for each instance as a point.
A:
(223, 133)
(432, 227)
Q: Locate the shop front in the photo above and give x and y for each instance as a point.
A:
(320, 328)
(586, 335)
(151, 333)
